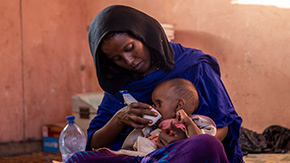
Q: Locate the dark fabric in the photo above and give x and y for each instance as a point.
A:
(119, 18)
(274, 139)
(200, 148)
(278, 138)
(252, 142)
(102, 156)
(203, 71)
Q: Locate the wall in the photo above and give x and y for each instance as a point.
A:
(45, 60)
(11, 100)
(45, 57)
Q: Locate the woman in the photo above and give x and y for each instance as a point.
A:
(131, 52)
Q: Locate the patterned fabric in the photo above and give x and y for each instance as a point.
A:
(199, 149)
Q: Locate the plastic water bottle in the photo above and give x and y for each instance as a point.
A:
(71, 140)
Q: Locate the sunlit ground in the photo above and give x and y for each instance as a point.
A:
(275, 3)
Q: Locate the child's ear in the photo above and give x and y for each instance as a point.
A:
(179, 104)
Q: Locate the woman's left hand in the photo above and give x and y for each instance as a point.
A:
(170, 135)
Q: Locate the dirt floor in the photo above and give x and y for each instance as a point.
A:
(267, 158)
(41, 157)
(45, 157)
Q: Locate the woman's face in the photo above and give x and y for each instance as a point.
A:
(164, 101)
(127, 52)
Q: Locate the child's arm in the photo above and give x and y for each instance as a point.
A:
(191, 127)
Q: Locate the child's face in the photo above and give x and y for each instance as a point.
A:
(164, 101)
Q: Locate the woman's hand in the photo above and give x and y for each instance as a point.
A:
(128, 115)
(132, 114)
(170, 135)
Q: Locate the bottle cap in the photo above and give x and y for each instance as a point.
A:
(70, 118)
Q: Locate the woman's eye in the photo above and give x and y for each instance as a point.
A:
(129, 48)
(116, 58)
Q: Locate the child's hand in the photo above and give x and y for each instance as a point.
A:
(182, 117)
(191, 127)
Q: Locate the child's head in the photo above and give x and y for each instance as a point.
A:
(174, 94)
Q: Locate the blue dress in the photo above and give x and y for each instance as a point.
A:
(203, 71)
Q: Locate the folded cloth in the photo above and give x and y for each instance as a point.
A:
(205, 124)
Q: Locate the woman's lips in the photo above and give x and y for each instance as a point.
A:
(138, 66)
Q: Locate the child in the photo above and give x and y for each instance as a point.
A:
(175, 99)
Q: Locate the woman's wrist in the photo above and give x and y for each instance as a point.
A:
(109, 132)
(118, 118)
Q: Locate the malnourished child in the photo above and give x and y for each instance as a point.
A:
(175, 99)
